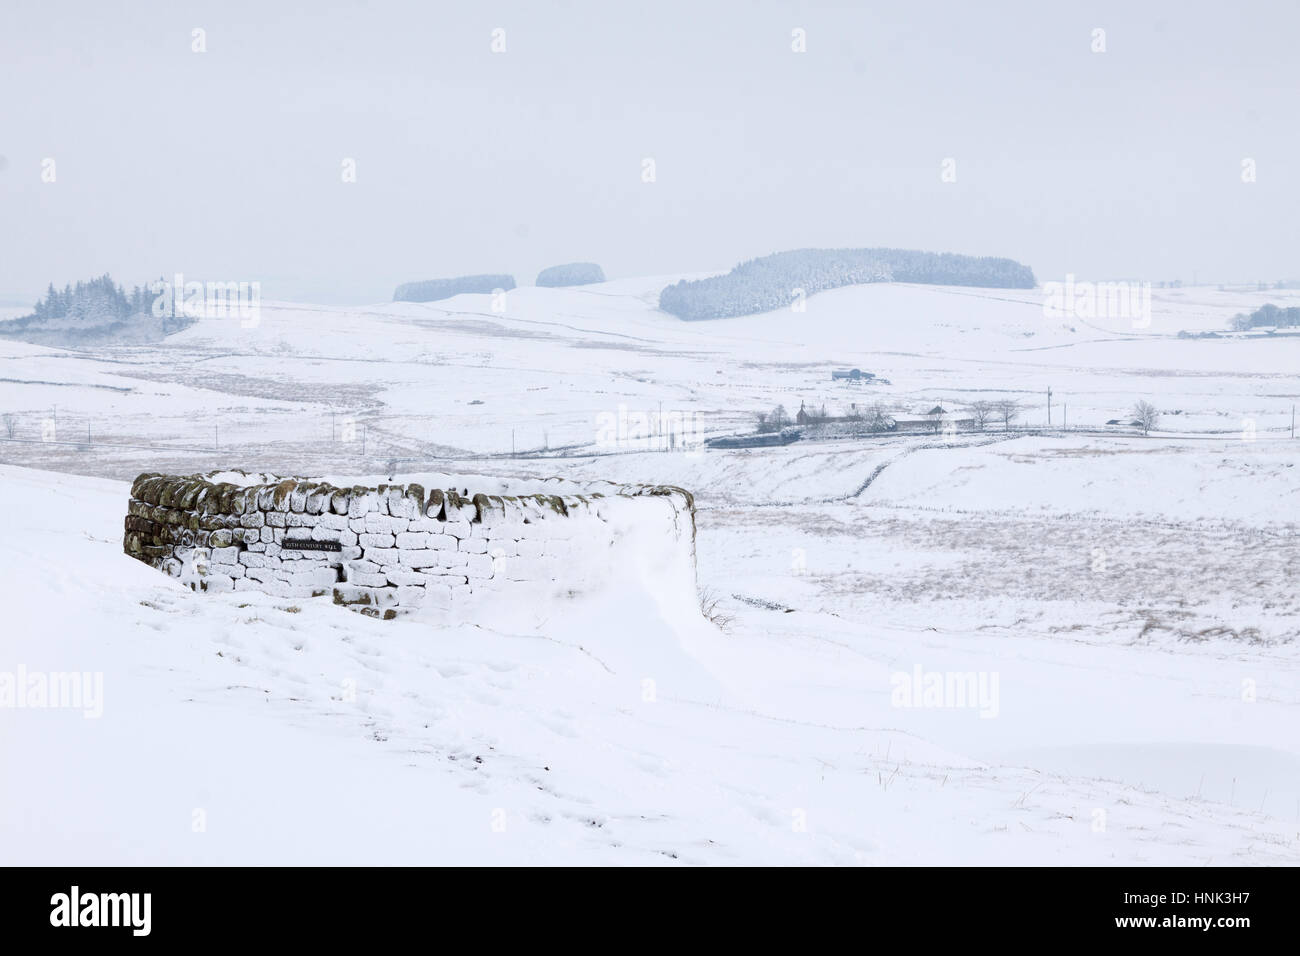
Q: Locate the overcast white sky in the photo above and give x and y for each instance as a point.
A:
(227, 164)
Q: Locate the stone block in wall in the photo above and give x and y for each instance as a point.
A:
(275, 519)
(368, 541)
(376, 523)
(418, 498)
(457, 508)
(418, 559)
(378, 597)
(446, 576)
(403, 577)
(280, 495)
(473, 545)
(344, 538)
(399, 504)
(225, 555)
(357, 503)
(254, 520)
(147, 489)
(442, 542)
(318, 500)
(228, 570)
(316, 577)
(505, 547)
(497, 511)
(137, 486)
(413, 540)
(410, 596)
(478, 566)
(302, 563)
(380, 556)
(242, 500)
(433, 501)
(216, 583)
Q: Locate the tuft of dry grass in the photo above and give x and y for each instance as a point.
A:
(709, 601)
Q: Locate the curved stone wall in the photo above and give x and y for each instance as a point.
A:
(387, 547)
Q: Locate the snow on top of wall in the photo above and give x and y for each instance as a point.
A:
(468, 484)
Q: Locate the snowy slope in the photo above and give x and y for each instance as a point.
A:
(608, 732)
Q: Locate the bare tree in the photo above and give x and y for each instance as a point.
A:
(1007, 411)
(11, 424)
(779, 417)
(981, 414)
(878, 420)
(1145, 415)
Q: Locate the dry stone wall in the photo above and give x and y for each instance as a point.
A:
(384, 548)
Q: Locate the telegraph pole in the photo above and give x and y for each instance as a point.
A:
(1049, 405)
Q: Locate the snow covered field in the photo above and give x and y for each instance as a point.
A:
(1121, 608)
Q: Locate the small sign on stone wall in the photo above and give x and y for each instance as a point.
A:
(306, 544)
